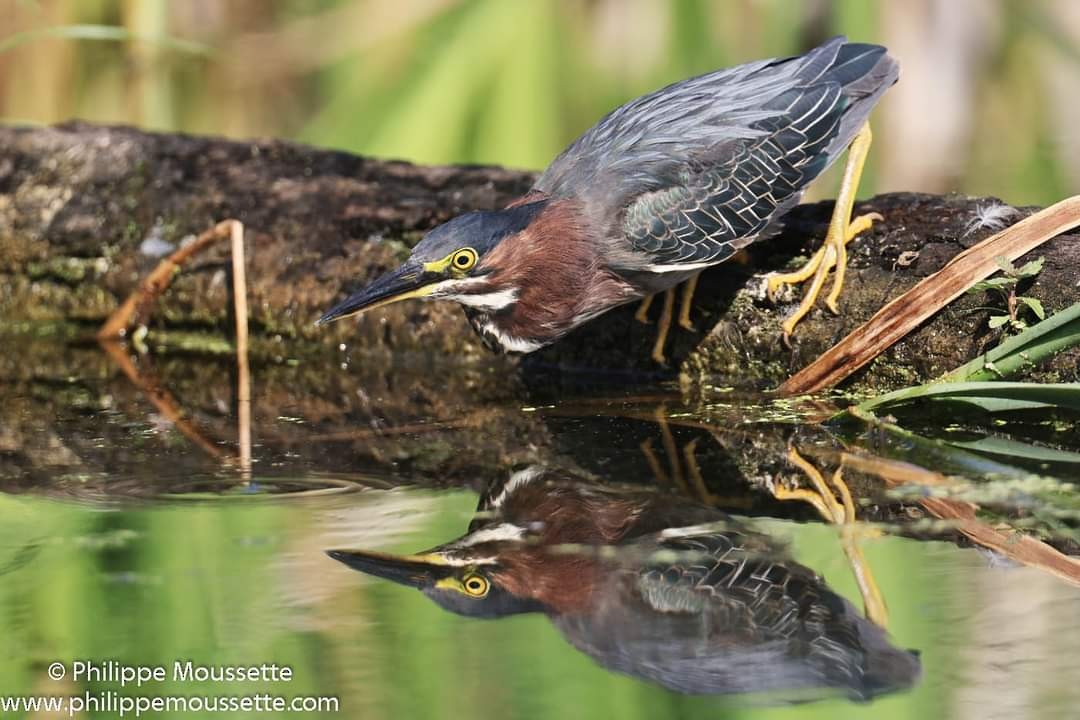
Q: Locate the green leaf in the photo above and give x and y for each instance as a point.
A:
(1006, 267)
(1030, 269)
(989, 396)
(1035, 305)
(1027, 270)
(991, 284)
(998, 320)
(995, 406)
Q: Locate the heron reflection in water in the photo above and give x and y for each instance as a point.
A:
(655, 586)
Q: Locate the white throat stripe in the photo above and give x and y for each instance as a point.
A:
(502, 531)
(516, 481)
(488, 301)
(509, 342)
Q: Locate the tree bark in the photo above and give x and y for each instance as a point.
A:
(86, 211)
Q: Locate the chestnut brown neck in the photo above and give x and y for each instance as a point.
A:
(554, 266)
(543, 570)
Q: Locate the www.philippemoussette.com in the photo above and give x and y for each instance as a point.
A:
(135, 684)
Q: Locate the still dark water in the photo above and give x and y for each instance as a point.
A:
(522, 548)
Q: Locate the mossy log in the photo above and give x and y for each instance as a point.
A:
(86, 211)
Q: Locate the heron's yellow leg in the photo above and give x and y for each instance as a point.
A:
(671, 450)
(665, 325)
(673, 476)
(833, 252)
(694, 471)
(687, 300)
(840, 512)
(642, 314)
(700, 487)
(844, 492)
(873, 601)
(858, 225)
(654, 462)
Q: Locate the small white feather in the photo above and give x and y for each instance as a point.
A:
(991, 216)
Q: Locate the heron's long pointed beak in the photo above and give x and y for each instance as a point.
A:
(408, 281)
(418, 571)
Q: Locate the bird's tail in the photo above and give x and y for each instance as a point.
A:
(864, 72)
(886, 668)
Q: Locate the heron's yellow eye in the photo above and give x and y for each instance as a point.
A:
(475, 585)
(463, 259)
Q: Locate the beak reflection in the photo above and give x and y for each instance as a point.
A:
(416, 571)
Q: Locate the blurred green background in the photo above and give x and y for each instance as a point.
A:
(986, 103)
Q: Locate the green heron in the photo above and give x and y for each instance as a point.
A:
(660, 189)
(655, 586)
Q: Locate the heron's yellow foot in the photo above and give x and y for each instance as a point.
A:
(833, 252)
(836, 506)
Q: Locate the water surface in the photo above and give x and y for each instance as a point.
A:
(131, 533)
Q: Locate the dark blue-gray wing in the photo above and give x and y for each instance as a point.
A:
(774, 597)
(690, 170)
(716, 210)
(731, 616)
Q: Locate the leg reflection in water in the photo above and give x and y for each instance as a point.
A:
(840, 513)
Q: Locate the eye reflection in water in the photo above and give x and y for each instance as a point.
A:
(655, 586)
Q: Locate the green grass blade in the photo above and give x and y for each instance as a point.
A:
(996, 395)
(994, 405)
(1038, 342)
(944, 456)
(971, 384)
(1014, 449)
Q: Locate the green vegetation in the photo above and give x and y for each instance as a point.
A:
(1024, 472)
(1036, 343)
(1017, 307)
(978, 383)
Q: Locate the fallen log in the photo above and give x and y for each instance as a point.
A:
(87, 211)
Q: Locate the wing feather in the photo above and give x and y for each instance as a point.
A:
(685, 176)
